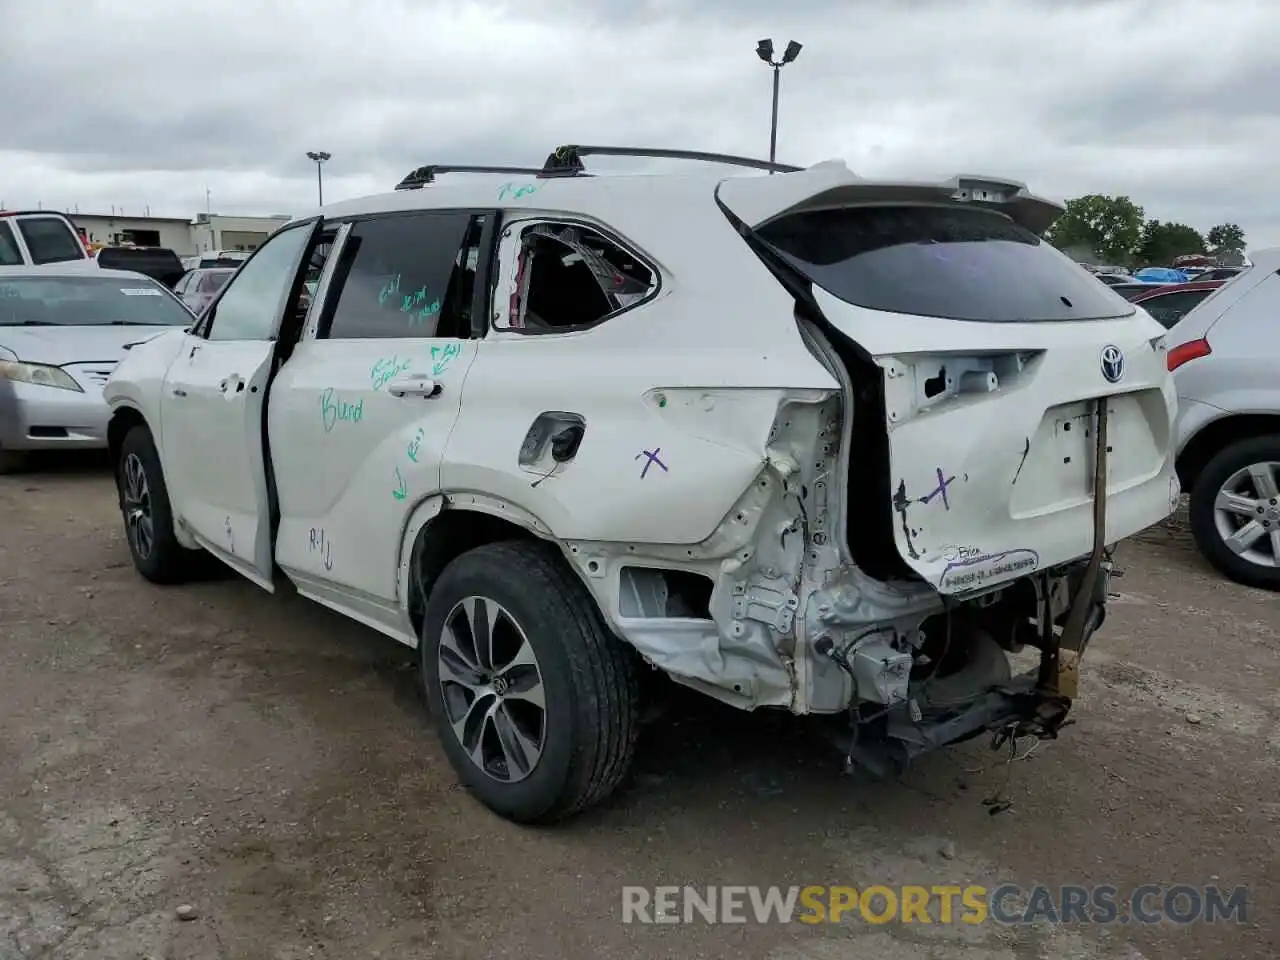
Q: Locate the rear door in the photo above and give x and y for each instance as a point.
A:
(990, 350)
(212, 403)
(361, 411)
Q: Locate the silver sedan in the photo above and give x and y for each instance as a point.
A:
(63, 328)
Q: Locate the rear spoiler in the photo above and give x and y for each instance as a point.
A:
(828, 185)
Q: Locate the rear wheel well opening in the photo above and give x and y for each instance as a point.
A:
(444, 539)
(1217, 436)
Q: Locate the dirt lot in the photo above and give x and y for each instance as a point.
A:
(270, 765)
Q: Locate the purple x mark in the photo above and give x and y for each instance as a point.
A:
(941, 488)
(653, 458)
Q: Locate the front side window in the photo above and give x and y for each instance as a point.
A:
(9, 255)
(406, 276)
(251, 304)
(88, 301)
(959, 263)
(558, 276)
(50, 240)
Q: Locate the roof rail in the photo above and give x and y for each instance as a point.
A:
(568, 158)
(424, 175)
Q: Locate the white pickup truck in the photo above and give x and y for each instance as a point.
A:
(802, 441)
(37, 237)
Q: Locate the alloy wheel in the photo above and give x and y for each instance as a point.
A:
(1246, 512)
(492, 691)
(137, 506)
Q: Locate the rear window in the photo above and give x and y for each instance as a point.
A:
(88, 302)
(50, 240)
(936, 261)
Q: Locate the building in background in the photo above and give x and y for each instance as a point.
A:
(216, 232)
(102, 230)
(184, 237)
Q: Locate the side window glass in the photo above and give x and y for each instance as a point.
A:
(251, 303)
(1170, 308)
(50, 240)
(406, 276)
(566, 276)
(9, 255)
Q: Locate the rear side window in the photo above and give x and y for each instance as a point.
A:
(9, 255)
(407, 276)
(50, 240)
(939, 261)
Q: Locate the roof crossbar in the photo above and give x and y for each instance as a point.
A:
(568, 158)
(424, 175)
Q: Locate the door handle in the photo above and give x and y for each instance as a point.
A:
(179, 392)
(416, 386)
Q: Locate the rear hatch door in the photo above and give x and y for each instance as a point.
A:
(993, 349)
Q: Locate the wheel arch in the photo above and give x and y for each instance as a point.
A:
(1217, 436)
(445, 526)
(123, 419)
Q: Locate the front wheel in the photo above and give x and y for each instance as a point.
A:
(148, 518)
(534, 699)
(1235, 512)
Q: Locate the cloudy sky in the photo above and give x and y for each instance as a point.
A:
(145, 103)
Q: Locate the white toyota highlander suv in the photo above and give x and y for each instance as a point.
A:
(800, 440)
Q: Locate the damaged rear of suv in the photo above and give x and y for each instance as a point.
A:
(1004, 420)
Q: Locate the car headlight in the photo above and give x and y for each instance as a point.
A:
(38, 374)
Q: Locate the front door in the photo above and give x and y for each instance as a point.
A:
(214, 394)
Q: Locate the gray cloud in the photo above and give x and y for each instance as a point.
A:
(150, 102)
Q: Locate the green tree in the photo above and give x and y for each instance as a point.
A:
(1226, 238)
(1161, 242)
(1109, 226)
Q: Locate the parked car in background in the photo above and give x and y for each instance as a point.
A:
(1160, 275)
(158, 263)
(215, 258)
(546, 427)
(1136, 288)
(198, 287)
(1225, 355)
(39, 237)
(1170, 303)
(63, 328)
(1111, 279)
(1219, 273)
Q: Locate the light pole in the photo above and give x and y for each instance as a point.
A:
(764, 50)
(319, 158)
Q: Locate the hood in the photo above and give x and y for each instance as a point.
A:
(59, 346)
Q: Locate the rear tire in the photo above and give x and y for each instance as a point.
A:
(1224, 473)
(548, 643)
(148, 517)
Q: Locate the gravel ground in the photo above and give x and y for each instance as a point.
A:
(267, 766)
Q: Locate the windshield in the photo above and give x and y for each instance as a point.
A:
(939, 261)
(88, 301)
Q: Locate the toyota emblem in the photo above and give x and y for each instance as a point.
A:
(1112, 363)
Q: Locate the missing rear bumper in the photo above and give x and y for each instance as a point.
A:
(1019, 708)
